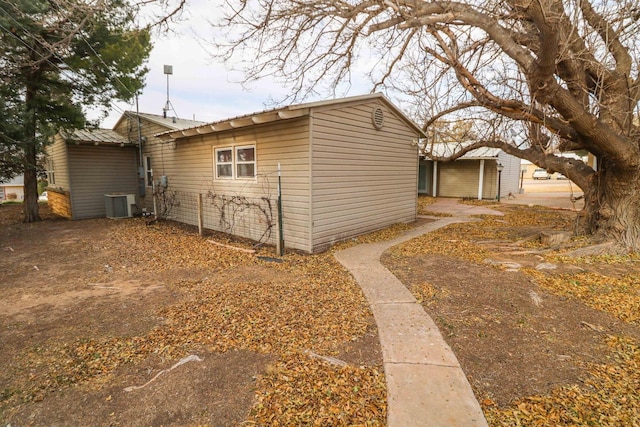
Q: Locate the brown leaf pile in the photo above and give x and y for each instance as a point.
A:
(427, 294)
(610, 395)
(423, 204)
(463, 240)
(315, 393)
(618, 296)
(608, 398)
(449, 241)
(311, 303)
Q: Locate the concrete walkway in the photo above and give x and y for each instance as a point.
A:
(425, 384)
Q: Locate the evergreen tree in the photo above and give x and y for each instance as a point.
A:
(58, 58)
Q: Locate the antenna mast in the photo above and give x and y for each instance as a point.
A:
(168, 70)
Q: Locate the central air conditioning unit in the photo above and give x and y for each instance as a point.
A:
(119, 205)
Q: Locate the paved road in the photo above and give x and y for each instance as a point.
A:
(551, 193)
(549, 185)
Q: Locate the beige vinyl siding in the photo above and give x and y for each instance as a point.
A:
(490, 184)
(128, 127)
(96, 171)
(151, 145)
(57, 152)
(363, 179)
(458, 179)
(189, 168)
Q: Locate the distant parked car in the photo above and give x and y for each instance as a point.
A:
(540, 174)
(44, 197)
(561, 176)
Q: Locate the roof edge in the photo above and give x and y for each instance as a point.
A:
(282, 113)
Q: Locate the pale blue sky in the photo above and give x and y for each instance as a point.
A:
(199, 86)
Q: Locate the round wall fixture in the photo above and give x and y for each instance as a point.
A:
(377, 116)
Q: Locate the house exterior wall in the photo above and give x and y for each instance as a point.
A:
(460, 179)
(128, 127)
(57, 153)
(363, 179)
(510, 175)
(11, 192)
(96, 171)
(188, 165)
(59, 202)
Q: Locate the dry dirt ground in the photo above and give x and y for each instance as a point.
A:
(119, 323)
(544, 338)
(96, 317)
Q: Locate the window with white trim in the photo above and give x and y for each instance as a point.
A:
(246, 162)
(51, 174)
(224, 163)
(235, 162)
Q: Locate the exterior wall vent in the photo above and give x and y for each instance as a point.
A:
(377, 116)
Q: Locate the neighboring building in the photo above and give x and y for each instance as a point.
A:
(528, 167)
(348, 166)
(84, 166)
(12, 189)
(474, 175)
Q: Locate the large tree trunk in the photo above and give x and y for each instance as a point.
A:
(612, 207)
(31, 208)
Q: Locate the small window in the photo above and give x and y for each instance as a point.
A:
(246, 162)
(51, 174)
(148, 171)
(235, 162)
(224, 163)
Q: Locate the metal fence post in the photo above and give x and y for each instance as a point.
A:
(280, 246)
(200, 214)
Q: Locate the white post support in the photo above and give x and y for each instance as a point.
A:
(435, 179)
(481, 179)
